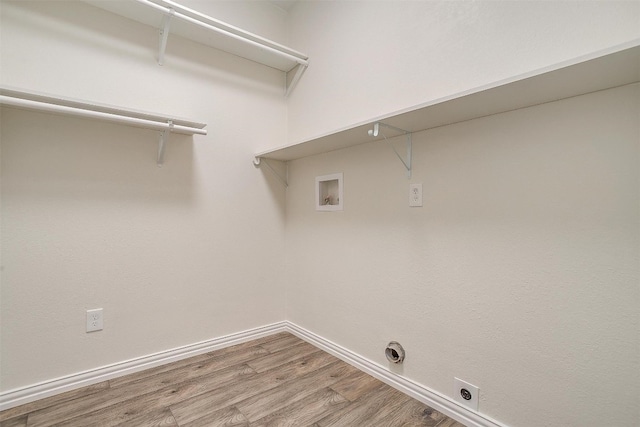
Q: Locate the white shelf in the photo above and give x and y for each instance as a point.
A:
(617, 66)
(171, 17)
(24, 99)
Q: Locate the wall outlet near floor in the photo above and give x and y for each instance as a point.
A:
(94, 320)
(466, 394)
(415, 195)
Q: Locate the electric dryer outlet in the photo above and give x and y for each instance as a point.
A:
(466, 394)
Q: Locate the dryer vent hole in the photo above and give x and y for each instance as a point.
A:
(394, 352)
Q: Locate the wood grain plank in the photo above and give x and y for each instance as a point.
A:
(201, 368)
(147, 383)
(306, 411)
(298, 384)
(20, 421)
(374, 405)
(294, 352)
(147, 393)
(160, 418)
(412, 414)
(226, 356)
(57, 399)
(124, 412)
(356, 385)
(263, 404)
(224, 417)
(253, 346)
(201, 405)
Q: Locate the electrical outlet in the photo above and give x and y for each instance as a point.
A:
(415, 195)
(94, 320)
(466, 394)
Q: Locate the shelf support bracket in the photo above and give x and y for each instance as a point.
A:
(164, 35)
(258, 161)
(407, 163)
(162, 143)
(293, 77)
(376, 131)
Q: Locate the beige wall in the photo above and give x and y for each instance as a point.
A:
(519, 274)
(371, 58)
(174, 255)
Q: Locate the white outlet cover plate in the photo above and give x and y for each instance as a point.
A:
(458, 386)
(415, 195)
(94, 320)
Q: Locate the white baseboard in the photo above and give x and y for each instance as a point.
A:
(437, 401)
(20, 396)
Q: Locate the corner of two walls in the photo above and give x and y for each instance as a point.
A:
(503, 278)
(520, 272)
(174, 255)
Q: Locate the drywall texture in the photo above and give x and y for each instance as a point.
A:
(519, 275)
(174, 255)
(371, 58)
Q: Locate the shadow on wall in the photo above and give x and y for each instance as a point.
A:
(61, 157)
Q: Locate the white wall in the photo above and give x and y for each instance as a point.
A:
(172, 254)
(530, 224)
(520, 273)
(371, 58)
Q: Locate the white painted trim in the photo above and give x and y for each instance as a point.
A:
(20, 396)
(437, 401)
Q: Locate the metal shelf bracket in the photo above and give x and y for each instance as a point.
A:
(292, 77)
(162, 143)
(258, 161)
(164, 35)
(376, 131)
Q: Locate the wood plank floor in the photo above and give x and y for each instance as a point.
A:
(277, 380)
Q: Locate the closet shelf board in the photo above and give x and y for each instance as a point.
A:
(232, 40)
(606, 69)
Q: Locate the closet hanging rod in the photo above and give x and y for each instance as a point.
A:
(133, 121)
(211, 24)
